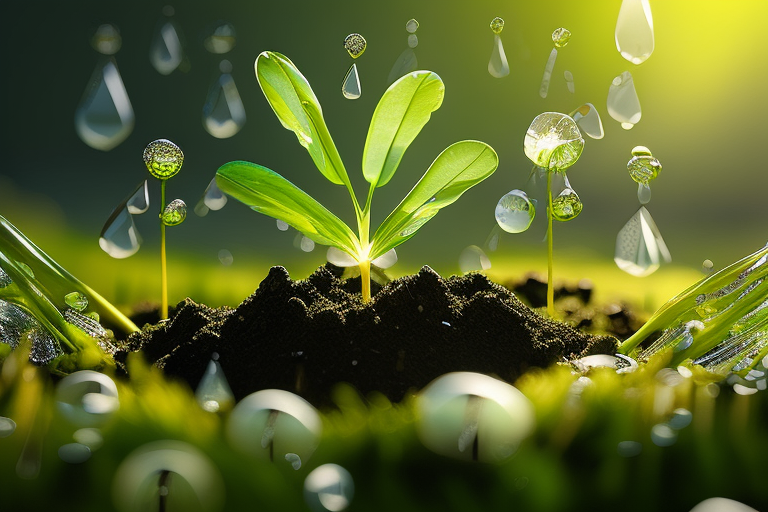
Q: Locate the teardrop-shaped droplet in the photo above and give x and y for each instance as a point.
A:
(306, 244)
(515, 212)
(405, 63)
(163, 158)
(386, 260)
(567, 205)
(498, 66)
(76, 301)
(107, 40)
(561, 36)
(548, 68)
(634, 31)
(643, 169)
(213, 393)
(223, 112)
(473, 258)
(589, 121)
(569, 81)
(119, 237)
(138, 202)
(623, 103)
(213, 199)
(104, 118)
(174, 213)
(282, 225)
(328, 488)
(351, 86)
(222, 38)
(553, 141)
(166, 51)
(340, 258)
(87, 398)
(643, 193)
(640, 249)
(7, 427)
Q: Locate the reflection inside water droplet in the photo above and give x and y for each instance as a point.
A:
(497, 25)
(515, 212)
(567, 205)
(623, 103)
(634, 31)
(640, 249)
(163, 158)
(589, 120)
(553, 141)
(174, 213)
(350, 88)
(223, 112)
(328, 488)
(561, 36)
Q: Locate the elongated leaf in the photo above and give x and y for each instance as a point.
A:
(269, 193)
(457, 169)
(399, 117)
(296, 106)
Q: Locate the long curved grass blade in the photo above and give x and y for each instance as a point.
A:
(458, 168)
(267, 192)
(402, 112)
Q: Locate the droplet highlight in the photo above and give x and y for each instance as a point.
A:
(328, 488)
(515, 212)
(588, 119)
(623, 103)
(223, 111)
(553, 141)
(567, 205)
(163, 158)
(213, 392)
(174, 213)
(498, 66)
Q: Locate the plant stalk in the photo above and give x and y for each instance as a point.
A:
(365, 279)
(550, 257)
(163, 265)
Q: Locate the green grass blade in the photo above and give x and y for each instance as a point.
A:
(458, 168)
(267, 192)
(402, 112)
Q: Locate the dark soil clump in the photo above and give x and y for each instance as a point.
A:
(306, 336)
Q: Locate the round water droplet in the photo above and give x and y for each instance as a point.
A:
(282, 225)
(74, 453)
(662, 435)
(553, 141)
(76, 301)
(413, 41)
(411, 26)
(641, 151)
(328, 488)
(643, 193)
(163, 158)
(271, 423)
(225, 257)
(561, 36)
(355, 45)
(680, 419)
(307, 244)
(515, 212)
(87, 398)
(222, 39)
(175, 212)
(7, 427)
(567, 205)
(643, 169)
(707, 266)
(497, 25)
(169, 473)
(107, 40)
(471, 416)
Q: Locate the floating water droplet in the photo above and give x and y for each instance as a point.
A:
(138, 202)
(413, 41)
(174, 213)
(449, 405)
(473, 258)
(7, 427)
(589, 120)
(629, 448)
(643, 169)
(287, 422)
(497, 25)
(222, 39)
(567, 205)
(662, 435)
(634, 31)
(553, 141)
(223, 112)
(680, 419)
(282, 225)
(213, 393)
(640, 249)
(355, 45)
(294, 459)
(328, 488)
(107, 40)
(76, 301)
(707, 266)
(166, 51)
(74, 453)
(303, 243)
(386, 260)
(548, 68)
(569, 81)
(411, 26)
(643, 193)
(340, 258)
(104, 117)
(119, 237)
(90, 437)
(641, 151)
(623, 103)
(515, 212)
(560, 37)
(498, 66)
(350, 88)
(163, 158)
(405, 63)
(225, 257)
(87, 398)
(213, 199)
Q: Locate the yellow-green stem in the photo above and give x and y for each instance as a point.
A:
(365, 279)
(163, 269)
(550, 257)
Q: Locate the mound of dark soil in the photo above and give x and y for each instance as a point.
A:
(306, 336)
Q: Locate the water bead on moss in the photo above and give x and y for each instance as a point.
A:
(175, 213)
(515, 212)
(163, 158)
(553, 141)
(561, 36)
(567, 205)
(355, 45)
(497, 25)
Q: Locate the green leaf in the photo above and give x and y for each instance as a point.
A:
(399, 117)
(458, 168)
(267, 192)
(296, 106)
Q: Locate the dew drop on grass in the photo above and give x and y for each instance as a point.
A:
(166, 52)
(567, 205)
(553, 141)
(74, 453)
(163, 158)
(472, 259)
(623, 103)
(223, 111)
(76, 301)
(213, 393)
(640, 248)
(350, 87)
(87, 398)
(328, 488)
(7, 427)
(634, 31)
(222, 39)
(174, 213)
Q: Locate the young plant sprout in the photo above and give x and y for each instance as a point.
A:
(402, 112)
(164, 159)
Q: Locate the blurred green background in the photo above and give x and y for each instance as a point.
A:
(702, 93)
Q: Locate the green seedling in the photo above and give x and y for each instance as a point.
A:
(402, 112)
(45, 305)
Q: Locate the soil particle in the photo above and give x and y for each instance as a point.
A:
(306, 336)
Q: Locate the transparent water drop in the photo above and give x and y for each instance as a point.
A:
(213, 199)
(640, 249)
(662, 435)
(621, 364)
(553, 141)
(498, 66)
(497, 25)
(641, 151)
(707, 267)
(386, 260)
(350, 88)
(515, 212)
(355, 45)
(303, 243)
(405, 63)
(680, 419)
(567, 205)
(223, 112)
(167, 475)
(643, 193)
(561, 36)
(492, 242)
(634, 31)
(282, 225)
(213, 392)
(340, 258)
(451, 404)
(222, 39)
(174, 213)
(643, 169)
(629, 448)
(104, 117)
(138, 202)
(107, 40)
(623, 103)
(76, 301)
(413, 41)
(7, 427)
(569, 81)
(411, 26)
(473, 258)
(588, 119)
(548, 68)
(294, 460)
(119, 237)
(87, 398)
(273, 421)
(328, 488)
(225, 257)
(166, 51)
(74, 453)
(163, 158)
